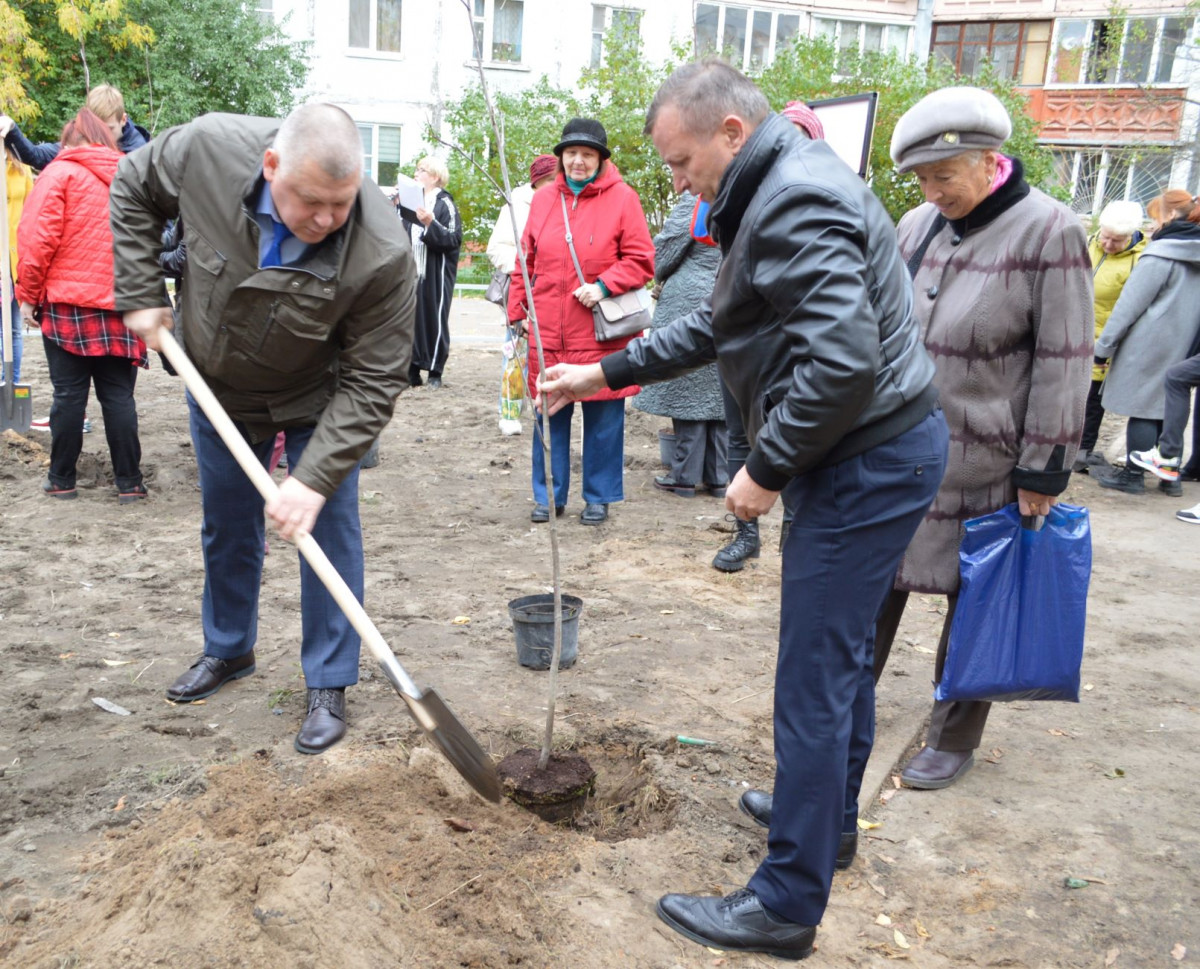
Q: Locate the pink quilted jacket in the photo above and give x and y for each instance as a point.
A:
(64, 240)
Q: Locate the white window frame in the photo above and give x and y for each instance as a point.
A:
(1088, 36)
(371, 155)
(860, 27)
(1107, 156)
(372, 50)
(265, 10)
(489, 23)
(805, 22)
(598, 34)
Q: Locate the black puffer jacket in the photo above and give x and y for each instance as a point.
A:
(811, 320)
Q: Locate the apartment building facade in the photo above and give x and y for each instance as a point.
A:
(1116, 95)
(1115, 92)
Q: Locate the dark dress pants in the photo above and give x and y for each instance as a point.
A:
(701, 456)
(114, 379)
(232, 536)
(852, 524)
(1179, 380)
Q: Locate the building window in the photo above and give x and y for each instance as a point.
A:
(1137, 50)
(265, 10)
(853, 36)
(381, 152)
(604, 18)
(749, 37)
(1095, 176)
(375, 25)
(1016, 49)
(498, 29)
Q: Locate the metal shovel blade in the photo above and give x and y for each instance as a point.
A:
(16, 403)
(454, 741)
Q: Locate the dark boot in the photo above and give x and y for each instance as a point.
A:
(1132, 481)
(745, 545)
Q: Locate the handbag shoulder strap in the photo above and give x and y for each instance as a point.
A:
(914, 261)
(570, 242)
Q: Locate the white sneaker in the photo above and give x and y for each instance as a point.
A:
(1156, 464)
(1189, 515)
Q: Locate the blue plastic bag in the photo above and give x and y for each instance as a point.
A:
(1018, 628)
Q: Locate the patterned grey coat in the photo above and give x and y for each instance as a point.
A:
(1005, 301)
(687, 269)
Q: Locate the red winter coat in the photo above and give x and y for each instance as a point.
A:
(612, 243)
(64, 239)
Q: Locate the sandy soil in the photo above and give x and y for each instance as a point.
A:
(196, 835)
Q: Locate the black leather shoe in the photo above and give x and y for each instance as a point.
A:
(757, 806)
(1132, 481)
(664, 482)
(325, 724)
(933, 769)
(594, 514)
(541, 513)
(435, 381)
(1172, 489)
(739, 922)
(207, 675)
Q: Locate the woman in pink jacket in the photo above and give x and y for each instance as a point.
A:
(616, 255)
(65, 275)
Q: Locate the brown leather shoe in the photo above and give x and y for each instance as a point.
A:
(207, 675)
(325, 724)
(757, 806)
(933, 769)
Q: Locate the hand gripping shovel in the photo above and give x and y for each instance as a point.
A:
(16, 404)
(426, 707)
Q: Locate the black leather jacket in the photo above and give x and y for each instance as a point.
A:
(811, 320)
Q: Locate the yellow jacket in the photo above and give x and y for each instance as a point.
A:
(1109, 274)
(19, 184)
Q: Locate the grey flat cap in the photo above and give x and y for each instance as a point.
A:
(946, 123)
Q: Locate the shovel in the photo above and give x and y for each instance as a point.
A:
(427, 708)
(16, 404)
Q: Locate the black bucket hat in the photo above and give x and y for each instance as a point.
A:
(585, 132)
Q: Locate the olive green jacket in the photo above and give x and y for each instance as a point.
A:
(323, 343)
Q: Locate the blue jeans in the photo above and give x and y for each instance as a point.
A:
(232, 537)
(603, 453)
(852, 524)
(18, 339)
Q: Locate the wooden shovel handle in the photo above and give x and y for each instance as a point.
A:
(266, 486)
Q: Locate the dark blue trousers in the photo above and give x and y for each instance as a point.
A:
(852, 523)
(232, 536)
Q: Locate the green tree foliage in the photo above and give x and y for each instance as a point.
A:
(616, 94)
(207, 55)
(21, 56)
(813, 69)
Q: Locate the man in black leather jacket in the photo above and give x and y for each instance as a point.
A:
(811, 324)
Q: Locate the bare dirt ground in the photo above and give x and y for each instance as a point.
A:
(196, 835)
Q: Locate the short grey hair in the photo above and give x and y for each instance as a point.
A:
(322, 133)
(704, 92)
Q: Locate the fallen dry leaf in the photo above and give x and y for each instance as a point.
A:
(666, 612)
(877, 887)
(882, 919)
(458, 824)
(1178, 951)
(887, 796)
(922, 932)
(896, 781)
(867, 825)
(117, 662)
(120, 805)
(1111, 956)
(65, 655)
(460, 621)
(1055, 732)
(900, 940)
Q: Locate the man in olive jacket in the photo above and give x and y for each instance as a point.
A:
(298, 307)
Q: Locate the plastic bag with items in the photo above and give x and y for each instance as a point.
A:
(512, 383)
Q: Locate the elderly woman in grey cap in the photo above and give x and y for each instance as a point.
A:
(1003, 288)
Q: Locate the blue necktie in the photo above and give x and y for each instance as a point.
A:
(273, 258)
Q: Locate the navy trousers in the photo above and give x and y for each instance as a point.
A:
(851, 525)
(232, 537)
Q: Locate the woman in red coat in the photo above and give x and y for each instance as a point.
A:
(616, 254)
(66, 271)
